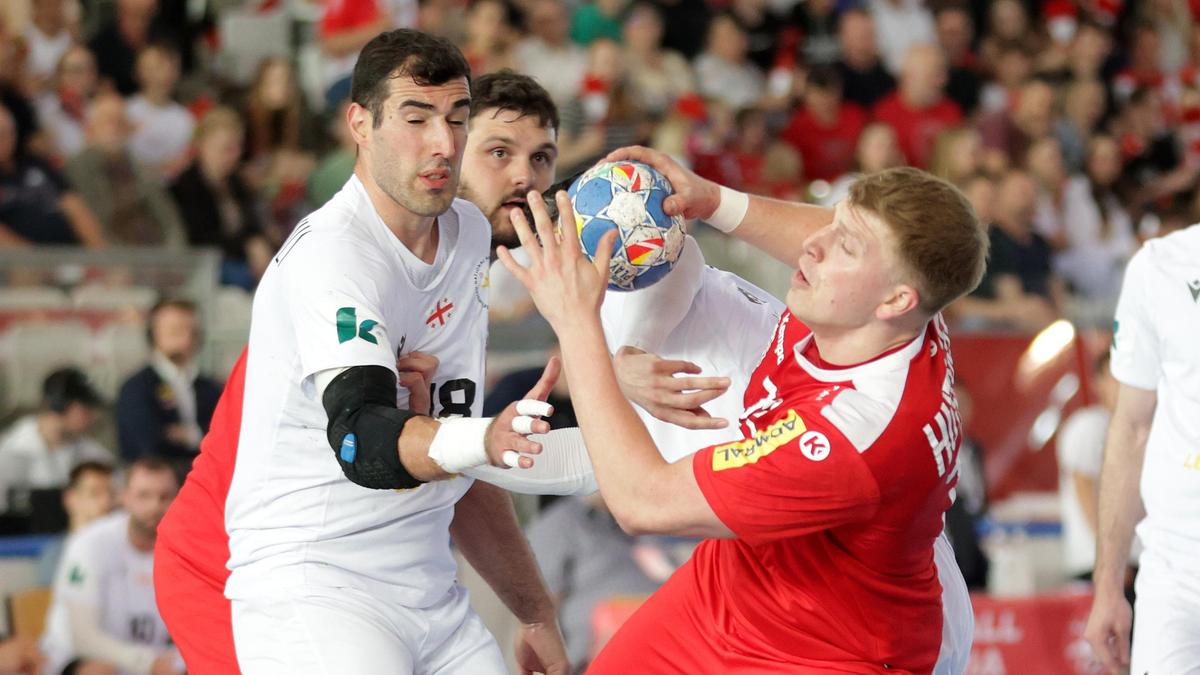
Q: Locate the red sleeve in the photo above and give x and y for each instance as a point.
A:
(791, 478)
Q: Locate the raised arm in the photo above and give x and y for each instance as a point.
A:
(776, 227)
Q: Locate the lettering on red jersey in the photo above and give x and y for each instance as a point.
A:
(944, 431)
(761, 444)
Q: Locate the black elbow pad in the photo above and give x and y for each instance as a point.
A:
(364, 426)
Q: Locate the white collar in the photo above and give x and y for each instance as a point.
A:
(897, 360)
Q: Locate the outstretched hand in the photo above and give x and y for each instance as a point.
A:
(655, 384)
(564, 284)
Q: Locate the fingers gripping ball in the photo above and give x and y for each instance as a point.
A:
(628, 197)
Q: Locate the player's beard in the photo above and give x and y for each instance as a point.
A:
(405, 187)
(503, 233)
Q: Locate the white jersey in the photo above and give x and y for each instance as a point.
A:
(1156, 346)
(726, 332)
(343, 291)
(102, 571)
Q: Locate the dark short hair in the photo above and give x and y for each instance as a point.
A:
(826, 78)
(84, 468)
(150, 464)
(65, 386)
(429, 60)
(508, 90)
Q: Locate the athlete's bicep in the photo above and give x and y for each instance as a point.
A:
(793, 477)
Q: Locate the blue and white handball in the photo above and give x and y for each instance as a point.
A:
(628, 197)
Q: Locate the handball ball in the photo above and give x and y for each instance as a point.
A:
(628, 197)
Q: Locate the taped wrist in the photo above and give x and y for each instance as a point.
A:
(364, 426)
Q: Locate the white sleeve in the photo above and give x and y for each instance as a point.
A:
(1135, 357)
(563, 468)
(333, 292)
(78, 587)
(650, 314)
(91, 642)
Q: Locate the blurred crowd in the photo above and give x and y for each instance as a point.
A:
(1074, 127)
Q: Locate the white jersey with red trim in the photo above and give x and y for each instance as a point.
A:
(343, 291)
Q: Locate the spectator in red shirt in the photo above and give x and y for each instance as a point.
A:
(919, 110)
(825, 130)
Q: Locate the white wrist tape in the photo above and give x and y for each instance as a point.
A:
(459, 443)
(730, 210)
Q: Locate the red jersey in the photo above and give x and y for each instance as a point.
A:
(917, 130)
(193, 547)
(836, 496)
(828, 151)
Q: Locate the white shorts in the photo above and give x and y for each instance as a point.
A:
(1166, 617)
(958, 619)
(326, 631)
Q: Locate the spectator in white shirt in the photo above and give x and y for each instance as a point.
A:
(40, 449)
(548, 55)
(162, 127)
(724, 71)
(62, 110)
(47, 37)
(899, 26)
(104, 618)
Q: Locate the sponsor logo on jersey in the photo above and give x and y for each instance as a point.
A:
(349, 328)
(483, 280)
(1194, 287)
(762, 443)
(76, 576)
(440, 313)
(814, 445)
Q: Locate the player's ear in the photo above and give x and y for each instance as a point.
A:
(360, 120)
(901, 299)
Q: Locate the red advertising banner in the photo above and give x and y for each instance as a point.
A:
(1036, 635)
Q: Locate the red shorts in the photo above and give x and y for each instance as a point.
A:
(672, 634)
(197, 614)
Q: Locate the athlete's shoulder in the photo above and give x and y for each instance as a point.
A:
(1182, 246)
(894, 394)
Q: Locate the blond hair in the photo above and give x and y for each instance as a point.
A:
(938, 236)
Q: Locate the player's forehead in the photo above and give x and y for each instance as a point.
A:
(444, 97)
(511, 127)
(860, 222)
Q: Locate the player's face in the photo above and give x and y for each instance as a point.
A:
(91, 497)
(414, 150)
(849, 268)
(147, 496)
(508, 154)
